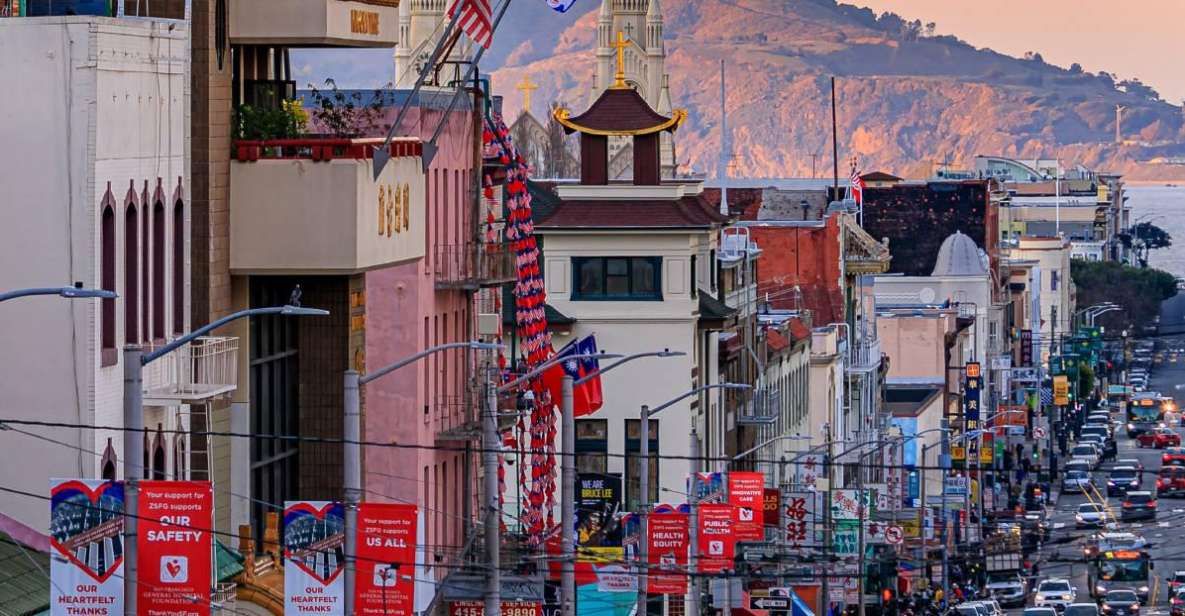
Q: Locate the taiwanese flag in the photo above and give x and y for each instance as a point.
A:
(586, 397)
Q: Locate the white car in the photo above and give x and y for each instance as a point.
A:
(1056, 593)
(1087, 452)
(1091, 515)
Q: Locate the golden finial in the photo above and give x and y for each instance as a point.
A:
(526, 87)
(620, 44)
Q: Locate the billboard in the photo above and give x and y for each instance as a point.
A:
(174, 548)
(716, 541)
(598, 502)
(314, 557)
(386, 561)
(746, 493)
(86, 534)
(972, 385)
(669, 538)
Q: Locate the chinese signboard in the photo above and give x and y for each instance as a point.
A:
(1026, 347)
(972, 385)
(746, 493)
(314, 557)
(86, 532)
(802, 518)
(174, 548)
(1061, 390)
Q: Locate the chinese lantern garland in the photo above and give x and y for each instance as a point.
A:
(531, 322)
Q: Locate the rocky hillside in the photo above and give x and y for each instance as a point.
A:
(906, 100)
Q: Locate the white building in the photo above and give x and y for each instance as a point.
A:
(1055, 295)
(96, 185)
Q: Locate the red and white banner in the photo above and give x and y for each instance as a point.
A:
(716, 541)
(386, 563)
(86, 534)
(746, 492)
(174, 546)
(669, 538)
(314, 558)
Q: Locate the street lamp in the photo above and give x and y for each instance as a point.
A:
(73, 292)
(352, 464)
(644, 481)
(134, 360)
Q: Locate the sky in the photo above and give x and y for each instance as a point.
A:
(1128, 38)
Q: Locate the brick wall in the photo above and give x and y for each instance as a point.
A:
(211, 115)
(324, 357)
(806, 256)
(918, 217)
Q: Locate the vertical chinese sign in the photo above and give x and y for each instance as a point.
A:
(801, 518)
(314, 557)
(86, 532)
(746, 493)
(669, 539)
(386, 562)
(174, 548)
(972, 385)
(716, 541)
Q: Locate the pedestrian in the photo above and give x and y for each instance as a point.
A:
(1036, 569)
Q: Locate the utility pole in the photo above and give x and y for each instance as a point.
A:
(863, 519)
(351, 480)
(827, 538)
(834, 144)
(644, 504)
(493, 513)
(133, 449)
(693, 607)
(944, 466)
(567, 501)
(725, 147)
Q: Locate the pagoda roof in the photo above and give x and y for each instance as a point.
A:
(686, 212)
(619, 111)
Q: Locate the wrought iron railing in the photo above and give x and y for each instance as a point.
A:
(473, 265)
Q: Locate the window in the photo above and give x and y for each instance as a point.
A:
(109, 460)
(179, 457)
(592, 445)
(107, 280)
(158, 455)
(178, 267)
(145, 260)
(131, 277)
(158, 271)
(714, 270)
(694, 277)
(1053, 281)
(633, 447)
(617, 278)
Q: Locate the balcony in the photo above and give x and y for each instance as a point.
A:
(315, 23)
(473, 265)
(312, 206)
(864, 354)
(202, 370)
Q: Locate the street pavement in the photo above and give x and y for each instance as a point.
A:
(1061, 556)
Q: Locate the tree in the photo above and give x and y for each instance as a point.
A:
(1138, 290)
(1085, 381)
(1153, 237)
(1076, 69)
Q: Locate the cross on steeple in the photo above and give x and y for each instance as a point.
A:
(620, 44)
(526, 87)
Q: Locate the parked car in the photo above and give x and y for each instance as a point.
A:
(1075, 480)
(1139, 505)
(1170, 481)
(1085, 452)
(1122, 479)
(1160, 438)
(1121, 603)
(1090, 515)
(1056, 593)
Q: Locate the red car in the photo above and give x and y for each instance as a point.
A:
(1159, 438)
(1173, 457)
(1171, 481)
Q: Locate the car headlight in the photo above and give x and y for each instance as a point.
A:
(1143, 589)
(1131, 426)
(1079, 517)
(1100, 589)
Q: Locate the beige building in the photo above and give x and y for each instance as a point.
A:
(1054, 287)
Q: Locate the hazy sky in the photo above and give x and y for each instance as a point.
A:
(1129, 38)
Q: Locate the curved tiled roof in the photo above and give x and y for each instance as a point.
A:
(619, 111)
(687, 212)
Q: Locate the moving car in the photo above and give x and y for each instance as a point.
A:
(1174, 457)
(1177, 602)
(1090, 515)
(1082, 609)
(1007, 589)
(1139, 505)
(1121, 603)
(1085, 452)
(1056, 593)
(1039, 611)
(1077, 480)
(1175, 581)
(1170, 481)
(1122, 479)
(1132, 462)
(1160, 438)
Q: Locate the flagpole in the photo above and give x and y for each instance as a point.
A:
(834, 144)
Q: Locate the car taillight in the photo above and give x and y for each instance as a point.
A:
(1151, 503)
(1127, 503)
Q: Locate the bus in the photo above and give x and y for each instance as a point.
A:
(1145, 411)
(1121, 570)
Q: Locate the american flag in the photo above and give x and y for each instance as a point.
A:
(857, 185)
(475, 20)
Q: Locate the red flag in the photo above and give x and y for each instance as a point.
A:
(475, 20)
(586, 397)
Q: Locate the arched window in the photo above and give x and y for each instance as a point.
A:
(145, 329)
(158, 454)
(147, 468)
(179, 458)
(131, 275)
(107, 278)
(158, 270)
(178, 267)
(109, 461)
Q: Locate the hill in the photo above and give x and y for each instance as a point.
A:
(906, 100)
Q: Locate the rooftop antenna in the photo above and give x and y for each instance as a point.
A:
(1118, 120)
(725, 148)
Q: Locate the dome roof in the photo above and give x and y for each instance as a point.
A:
(960, 256)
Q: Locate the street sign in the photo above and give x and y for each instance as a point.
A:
(770, 603)
(1001, 362)
(1024, 375)
(894, 535)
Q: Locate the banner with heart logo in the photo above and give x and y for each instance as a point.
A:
(86, 532)
(314, 557)
(174, 548)
(385, 584)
